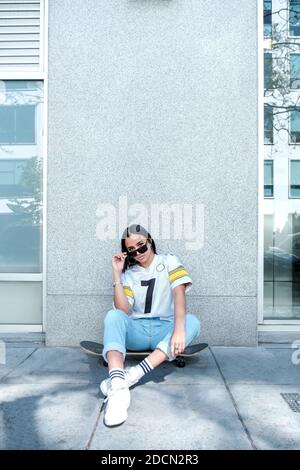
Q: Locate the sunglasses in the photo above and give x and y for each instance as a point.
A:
(140, 249)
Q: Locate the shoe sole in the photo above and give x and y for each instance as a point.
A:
(113, 425)
(120, 422)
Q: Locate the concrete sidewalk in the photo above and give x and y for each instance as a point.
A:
(225, 398)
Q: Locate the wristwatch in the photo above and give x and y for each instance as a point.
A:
(117, 282)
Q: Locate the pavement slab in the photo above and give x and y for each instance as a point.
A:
(58, 365)
(257, 365)
(177, 416)
(268, 418)
(224, 398)
(47, 416)
(12, 358)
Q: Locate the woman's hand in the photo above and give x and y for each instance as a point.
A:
(177, 342)
(118, 262)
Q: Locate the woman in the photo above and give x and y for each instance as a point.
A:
(149, 313)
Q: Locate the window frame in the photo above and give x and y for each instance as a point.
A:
(289, 23)
(271, 22)
(268, 143)
(41, 75)
(290, 127)
(290, 161)
(269, 160)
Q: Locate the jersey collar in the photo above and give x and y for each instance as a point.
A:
(140, 268)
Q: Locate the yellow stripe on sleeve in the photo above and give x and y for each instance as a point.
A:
(179, 268)
(128, 291)
(177, 273)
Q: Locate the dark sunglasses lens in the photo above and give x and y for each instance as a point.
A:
(141, 249)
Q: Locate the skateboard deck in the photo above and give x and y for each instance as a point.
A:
(91, 347)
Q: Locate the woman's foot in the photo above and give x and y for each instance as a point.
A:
(131, 378)
(116, 404)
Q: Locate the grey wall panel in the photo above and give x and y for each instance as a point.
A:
(224, 320)
(155, 101)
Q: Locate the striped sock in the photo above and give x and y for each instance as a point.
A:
(117, 377)
(144, 367)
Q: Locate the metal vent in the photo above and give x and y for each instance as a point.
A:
(20, 29)
(293, 400)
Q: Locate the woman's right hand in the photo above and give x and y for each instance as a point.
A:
(118, 261)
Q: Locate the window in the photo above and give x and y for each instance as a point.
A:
(22, 49)
(14, 179)
(268, 71)
(21, 176)
(294, 17)
(17, 124)
(295, 178)
(295, 125)
(268, 177)
(268, 118)
(267, 18)
(280, 207)
(295, 70)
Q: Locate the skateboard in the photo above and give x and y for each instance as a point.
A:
(95, 349)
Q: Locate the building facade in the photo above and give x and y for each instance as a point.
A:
(133, 106)
(281, 165)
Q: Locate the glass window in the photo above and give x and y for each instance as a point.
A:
(268, 71)
(268, 176)
(21, 302)
(294, 17)
(295, 178)
(268, 117)
(21, 176)
(281, 237)
(22, 85)
(295, 125)
(295, 70)
(267, 18)
(14, 179)
(17, 124)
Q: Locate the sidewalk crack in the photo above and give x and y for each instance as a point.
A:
(234, 403)
(20, 363)
(87, 447)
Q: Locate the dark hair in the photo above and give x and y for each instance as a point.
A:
(134, 229)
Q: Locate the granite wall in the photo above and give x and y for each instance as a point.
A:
(154, 101)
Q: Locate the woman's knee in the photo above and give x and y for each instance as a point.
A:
(113, 315)
(193, 324)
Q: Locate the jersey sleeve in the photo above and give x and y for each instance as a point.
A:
(127, 286)
(177, 273)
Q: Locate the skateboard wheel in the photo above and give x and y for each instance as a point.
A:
(180, 362)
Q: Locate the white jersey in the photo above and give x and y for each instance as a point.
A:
(149, 290)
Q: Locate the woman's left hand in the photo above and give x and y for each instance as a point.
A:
(177, 342)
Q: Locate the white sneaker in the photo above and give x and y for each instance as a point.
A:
(116, 404)
(131, 378)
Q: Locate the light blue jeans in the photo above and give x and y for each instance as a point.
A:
(139, 334)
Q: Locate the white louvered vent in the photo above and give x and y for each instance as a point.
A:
(20, 31)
